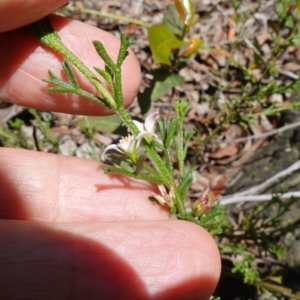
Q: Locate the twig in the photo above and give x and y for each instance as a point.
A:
(289, 74)
(236, 198)
(242, 36)
(262, 135)
(109, 15)
(252, 46)
(251, 194)
(35, 139)
(269, 182)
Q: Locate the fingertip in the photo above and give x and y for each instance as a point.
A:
(17, 13)
(205, 262)
(182, 259)
(25, 62)
(78, 37)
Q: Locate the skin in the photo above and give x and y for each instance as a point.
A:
(67, 230)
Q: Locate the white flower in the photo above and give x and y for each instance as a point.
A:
(130, 144)
(127, 145)
(149, 124)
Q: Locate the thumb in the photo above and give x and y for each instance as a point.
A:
(18, 13)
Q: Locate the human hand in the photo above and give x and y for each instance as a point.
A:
(68, 231)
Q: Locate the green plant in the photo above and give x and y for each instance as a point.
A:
(255, 244)
(170, 45)
(142, 144)
(42, 122)
(246, 90)
(255, 82)
(14, 135)
(171, 49)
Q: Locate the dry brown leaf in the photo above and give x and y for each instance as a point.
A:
(255, 128)
(130, 29)
(229, 150)
(231, 35)
(291, 66)
(262, 38)
(234, 131)
(266, 125)
(79, 5)
(200, 182)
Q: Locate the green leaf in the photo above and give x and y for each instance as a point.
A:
(160, 88)
(171, 132)
(115, 159)
(140, 163)
(162, 41)
(185, 182)
(104, 124)
(115, 170)
(68, 69)
(44, 31)
(123, 52)
(103, 54)
(298, 9)
(186, 10)
(57, 81)
(162, 81)
(162, 124)
(126, 166)
(173, 20)
(172, 211)
(16, 124)
(107, 76)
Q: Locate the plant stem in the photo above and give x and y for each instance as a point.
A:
(109, 15)
(179, 204)
(155, 158)
(51, 39)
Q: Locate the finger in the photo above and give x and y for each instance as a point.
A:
(47, 187)
(17, 13)
(138, 260)
(24, 63)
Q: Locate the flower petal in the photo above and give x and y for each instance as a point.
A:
(139, 125)
(143, 134)
(162, 189)
(159, 199)
(132, 146)
(110, 147)
(125, 143)
(150, 121)
(165, 198)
